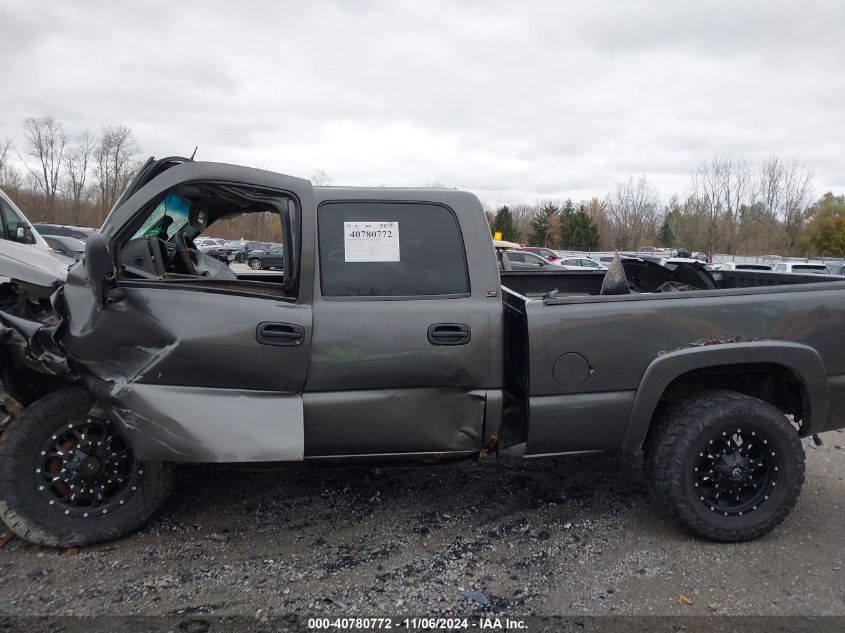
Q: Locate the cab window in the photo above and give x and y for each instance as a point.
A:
(390, 249)
(163, 243)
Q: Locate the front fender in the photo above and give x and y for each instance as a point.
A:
(802, 360)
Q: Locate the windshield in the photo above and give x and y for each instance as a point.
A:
(169, 216)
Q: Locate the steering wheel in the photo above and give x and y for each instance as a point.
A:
(184, 253)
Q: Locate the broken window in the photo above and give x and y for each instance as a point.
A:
(253, 250)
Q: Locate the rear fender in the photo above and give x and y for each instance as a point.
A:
(801, 360)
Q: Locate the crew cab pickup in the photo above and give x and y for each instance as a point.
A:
(391, 333)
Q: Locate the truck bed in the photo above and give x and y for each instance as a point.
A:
(588, 353)
(650, 276)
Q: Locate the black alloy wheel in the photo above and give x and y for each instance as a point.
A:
(87, 469)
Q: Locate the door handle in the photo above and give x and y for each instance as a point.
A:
(284, 334)
(449, 334)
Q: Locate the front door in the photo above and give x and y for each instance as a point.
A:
(195, 363)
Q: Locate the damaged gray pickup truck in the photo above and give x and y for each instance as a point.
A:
(391, 333)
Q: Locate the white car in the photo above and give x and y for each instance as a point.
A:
(579, 263)
(744, 266)
(14, 226)
(679, 260)
(802, 268)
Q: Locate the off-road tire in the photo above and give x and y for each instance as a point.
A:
(680, 435)
(28, 513)
(255, 264)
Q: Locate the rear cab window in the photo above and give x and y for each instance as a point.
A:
(391, 249)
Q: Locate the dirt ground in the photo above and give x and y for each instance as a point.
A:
(507, 536)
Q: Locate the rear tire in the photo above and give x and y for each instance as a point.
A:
(255, 263)
(725, 466)
(103, 498)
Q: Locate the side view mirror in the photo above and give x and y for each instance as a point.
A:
(98, 264)
(24, 235)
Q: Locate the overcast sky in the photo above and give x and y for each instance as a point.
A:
(516, 101)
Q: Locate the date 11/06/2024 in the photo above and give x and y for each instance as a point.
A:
(426, 624)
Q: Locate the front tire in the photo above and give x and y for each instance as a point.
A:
(68, 476)
(725, 466)
(255, 263)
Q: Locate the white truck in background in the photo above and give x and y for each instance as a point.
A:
(14, 227)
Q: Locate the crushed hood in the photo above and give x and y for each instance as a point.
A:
(31, 265)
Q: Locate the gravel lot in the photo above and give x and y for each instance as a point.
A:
(569, 537)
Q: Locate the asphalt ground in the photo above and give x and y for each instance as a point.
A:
(503, 536)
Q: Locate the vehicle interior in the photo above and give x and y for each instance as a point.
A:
(160, 245)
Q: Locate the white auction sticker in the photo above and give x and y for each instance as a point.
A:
(371, 241)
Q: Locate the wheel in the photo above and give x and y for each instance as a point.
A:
(240, 258)
(68, 477)
(726, 466)
(255, 263)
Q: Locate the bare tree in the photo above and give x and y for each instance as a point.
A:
(10, 178)
(784, 189)
(321, 179)
(795, 208)
(114, 163)
(77, 164)
(522, 216)
(721, 185)
(45, 141)
(5, 146)
(632, 212)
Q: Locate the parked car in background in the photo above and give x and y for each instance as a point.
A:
(273, 257)
(679, 260)
(66, 230)
(67, 246)
(241, 248)
(580, 263)
(215, 247)
(546, 253)
(804, 268)
(523, 260)
(836, 268)
(743, 266)
(14, 226)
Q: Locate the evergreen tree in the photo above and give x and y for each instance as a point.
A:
(582, 234)
(503, 222)
(543, 225)
(566, 214)
(666, 234)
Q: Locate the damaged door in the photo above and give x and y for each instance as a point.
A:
(198, 365)
(402, 345)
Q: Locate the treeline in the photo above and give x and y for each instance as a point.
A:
(67, 179)
(76, 179)
(731, 206)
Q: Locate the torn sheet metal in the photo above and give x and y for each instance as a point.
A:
(53, 325)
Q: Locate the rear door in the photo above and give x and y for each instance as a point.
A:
(402, 346)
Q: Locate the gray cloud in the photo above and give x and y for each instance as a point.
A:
(512, 102)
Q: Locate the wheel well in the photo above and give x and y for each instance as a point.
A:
(27, 385)
(776, 384)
